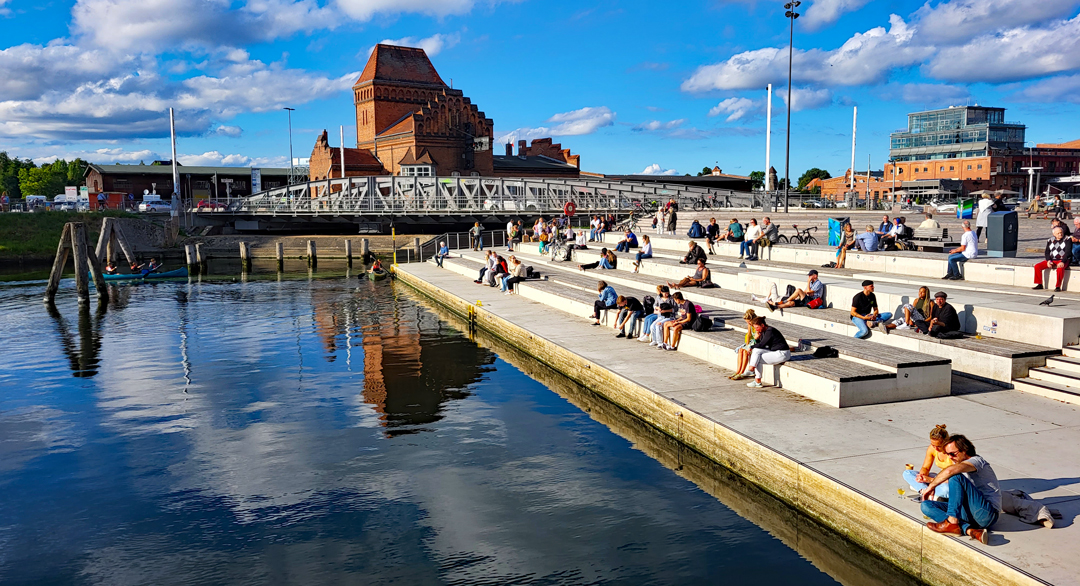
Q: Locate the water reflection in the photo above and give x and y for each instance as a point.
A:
(83, 357)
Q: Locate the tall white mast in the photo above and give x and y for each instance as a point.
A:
(341, 131)
(854, 120)
(175, 171)
(768, 141)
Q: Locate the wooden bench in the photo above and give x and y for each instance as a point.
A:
(932, 239)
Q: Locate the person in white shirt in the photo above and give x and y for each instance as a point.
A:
(749, 245)
(929, 222)
(969, 249)
(578, 244)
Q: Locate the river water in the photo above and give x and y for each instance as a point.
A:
(332, 430)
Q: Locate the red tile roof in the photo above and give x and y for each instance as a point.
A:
(355, 159)
(393, 63)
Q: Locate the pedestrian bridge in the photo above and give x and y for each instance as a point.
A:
(471, 196)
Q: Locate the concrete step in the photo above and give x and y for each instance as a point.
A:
(1054, 375)
(1064, 364)
(1071, 351)
(1048, 389)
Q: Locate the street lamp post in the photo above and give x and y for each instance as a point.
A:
(292, 174)
(791, 16)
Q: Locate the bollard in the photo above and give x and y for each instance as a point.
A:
(245, 256)
(189, 256)
(312, 255)
(365, 248)
(348, 252)
(416, 247)
(280, 257)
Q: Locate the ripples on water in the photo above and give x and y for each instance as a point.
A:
(323, 431)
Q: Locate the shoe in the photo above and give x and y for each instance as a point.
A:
(642, 339)
(670, 348)
(754, 384)
(980, 535)
(737, 376)
(508, 293)
(946, 278)
(1037, 287)
(596, 323)
(620, 335)
(770, 305)
(477, 281)
(652, 343)
(944, 527)
(883, 327)
(1057, 289)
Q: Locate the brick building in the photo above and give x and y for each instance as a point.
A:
(409, 122)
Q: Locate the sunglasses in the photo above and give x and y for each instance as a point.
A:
(951, 454)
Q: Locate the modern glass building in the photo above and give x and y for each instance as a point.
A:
(955, 133)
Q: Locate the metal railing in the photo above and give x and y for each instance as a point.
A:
(459, 240)
(383, 195)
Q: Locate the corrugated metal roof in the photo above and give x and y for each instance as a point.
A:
(183, 169)
(530, 162)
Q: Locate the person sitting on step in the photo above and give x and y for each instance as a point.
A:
(868, 241)
(1057, 256)
(968, 249)
(742, 353)
(656, 330)
(770, 348)
(702, 278)
(443, 252)
(489, 263)
(630, 311)
(517, 274)
(734, 232)
(645, 252)
(608, 299)
(942, 318)
(695, 253)
(935, 454)
(847, 242)
(712, 234)
(580, 243)
(685, 312)
(864, 310)
(914, 311)
(493, 277)
(770, 233)
(663, 295)
(815, 289)
(749, 245)
(608, 260)
(974, 494)
(628, 241)
(929, 222)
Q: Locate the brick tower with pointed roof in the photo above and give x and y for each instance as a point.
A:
(414, 123)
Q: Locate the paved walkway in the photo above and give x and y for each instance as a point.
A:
(1030, 441)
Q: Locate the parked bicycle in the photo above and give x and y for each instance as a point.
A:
(557, 248)
(800, 237)
(709, 203)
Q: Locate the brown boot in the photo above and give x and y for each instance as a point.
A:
(945, 527)
(980, 535)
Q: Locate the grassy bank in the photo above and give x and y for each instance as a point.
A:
(35, 236)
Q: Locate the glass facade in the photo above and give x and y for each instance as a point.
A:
(952, 133)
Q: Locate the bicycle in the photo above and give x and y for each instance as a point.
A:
(800, 237)
(712, 202)
(558, 249)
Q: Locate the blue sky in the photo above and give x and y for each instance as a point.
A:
(629, 85)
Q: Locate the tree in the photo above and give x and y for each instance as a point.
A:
(9, 174)
(705, 171)
(48, 180)
(757, 179)
(812, 174)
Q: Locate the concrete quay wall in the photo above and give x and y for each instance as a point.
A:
(881, 529)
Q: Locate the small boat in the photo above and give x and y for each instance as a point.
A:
(378, 275)
(180, 272)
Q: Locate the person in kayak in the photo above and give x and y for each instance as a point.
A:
(110, 268)
(136, 268)
(377, 267)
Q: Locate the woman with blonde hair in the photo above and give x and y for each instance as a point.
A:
(743, 352)
(935, 455)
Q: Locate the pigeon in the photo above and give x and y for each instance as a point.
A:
(1048, 301)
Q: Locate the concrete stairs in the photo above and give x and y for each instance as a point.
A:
(1058, 380)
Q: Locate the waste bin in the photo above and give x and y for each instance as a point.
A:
(836, 227)
(1002, 230)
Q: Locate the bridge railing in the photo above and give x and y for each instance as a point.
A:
(449, 195)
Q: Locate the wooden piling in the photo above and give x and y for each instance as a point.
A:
(63, 250)
(365, 248)
(189, 256)
(417, 249)
(112, 234)
(75, 243)
(245, 256)
(280, 256)
(348, 252)
(200, 255)
(312, 254)
(82, 268)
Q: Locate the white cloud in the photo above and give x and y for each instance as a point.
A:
(807, 99)
(364, 10)
(1011, 55)
(865, 58)
(4, 11)
(228, 131)
(432, 45)
(936, 95)
(584, 121)
(214, 159)
(822, 13)
(738, 108)
(1063, 88)
(963, 19)
(656, 169)
(656, 125)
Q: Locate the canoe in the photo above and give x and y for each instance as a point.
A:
(181, 272)
(378, 275)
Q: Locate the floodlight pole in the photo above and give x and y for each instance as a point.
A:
(292, 174)
(791, 16)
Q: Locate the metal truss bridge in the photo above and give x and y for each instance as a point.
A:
(473, 196)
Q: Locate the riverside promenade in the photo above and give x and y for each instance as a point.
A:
(841, 467)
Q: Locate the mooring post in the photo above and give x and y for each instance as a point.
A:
(189, 256)
(416, 246)
(312, 255)
(348, 251)
(63, 250)
(365, 249)
(245, 256)
(82, 268)
(95, 268)
(280, 256)
(200, 256)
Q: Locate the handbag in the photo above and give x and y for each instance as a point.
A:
(815, 303)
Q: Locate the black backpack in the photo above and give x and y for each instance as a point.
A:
(701, 323)
(648, 303)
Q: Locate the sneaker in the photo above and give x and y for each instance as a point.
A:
(508, 293)
(653, 343)
(737, 376)
(1038, 287)
(620, 335)
(1057, 289)
(946, 278)
(642, 339)
(754, 384)
(670, 348)
(770, 305)
(883, 327)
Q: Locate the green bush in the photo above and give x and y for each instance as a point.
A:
(36, 235)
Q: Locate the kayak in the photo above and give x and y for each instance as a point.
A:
(378, 275)
(181, 272)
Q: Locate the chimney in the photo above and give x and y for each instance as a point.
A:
(522, 148)
(509, 149)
